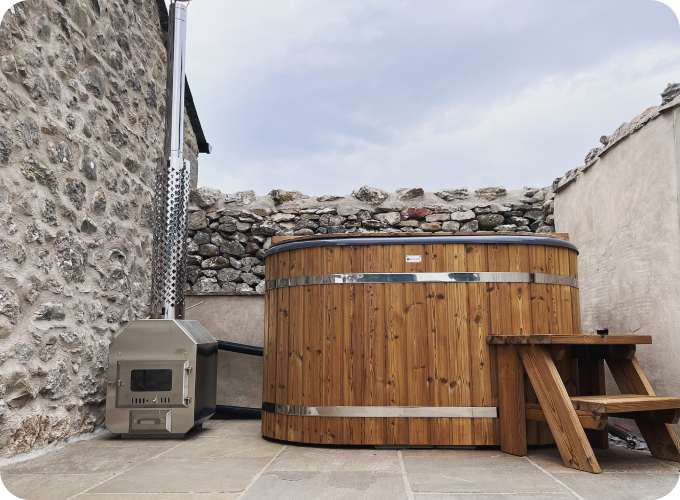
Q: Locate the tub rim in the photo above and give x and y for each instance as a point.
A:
(434, 239)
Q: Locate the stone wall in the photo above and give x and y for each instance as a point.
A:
(82, 97)
(229, 234)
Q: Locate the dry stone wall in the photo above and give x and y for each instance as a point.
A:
(82, 103)
(229, 234)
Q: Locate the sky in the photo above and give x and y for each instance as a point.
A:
(323, 97)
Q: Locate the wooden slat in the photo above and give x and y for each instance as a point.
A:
(460, 379)
(500, 313)
(397, 381)
(565, 319)
(314, 310)
(589, 420)
(440, 333)
(417, 348)
(511, 410)
(333, 365)
(282, 329)
(353, 341)
(374, 345)
(269, 355)
(559, 411)
(478, 303)
(298, 321)
(575, 297)
(570, 339)
(624, 403)
(520, 298)
(541, 298)
(552, 266)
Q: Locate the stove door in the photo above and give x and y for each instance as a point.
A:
(153, 384)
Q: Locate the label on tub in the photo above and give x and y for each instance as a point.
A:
(414, 258)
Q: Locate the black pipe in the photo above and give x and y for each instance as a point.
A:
(238, 412)
(240, 348)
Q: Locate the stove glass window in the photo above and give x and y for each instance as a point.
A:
(150, 380)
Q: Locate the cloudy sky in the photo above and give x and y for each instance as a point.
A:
(324, 96)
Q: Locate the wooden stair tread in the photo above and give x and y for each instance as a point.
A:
(570, 339)
(624, 403)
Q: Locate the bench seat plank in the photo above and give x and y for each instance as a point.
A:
(624, 403)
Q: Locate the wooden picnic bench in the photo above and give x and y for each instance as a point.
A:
(579, 423)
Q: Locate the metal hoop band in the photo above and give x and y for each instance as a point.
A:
(383, 411)
(338, 279)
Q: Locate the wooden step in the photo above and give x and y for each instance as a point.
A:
(570, 339)
(624, 403)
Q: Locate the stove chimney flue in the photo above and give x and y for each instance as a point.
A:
(172, 182)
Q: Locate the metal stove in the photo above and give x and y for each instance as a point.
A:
(162, 378)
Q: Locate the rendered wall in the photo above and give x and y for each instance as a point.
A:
(623, 215)
(82, 121)
(237, 319)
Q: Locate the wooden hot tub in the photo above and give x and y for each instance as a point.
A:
(381, 339)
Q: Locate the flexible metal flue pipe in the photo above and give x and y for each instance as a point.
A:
(172, 182)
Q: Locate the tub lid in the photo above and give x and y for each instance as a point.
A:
(284, 243)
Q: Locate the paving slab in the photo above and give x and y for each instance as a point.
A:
(228, 428)
(496, 496)
(619, 485)
(73, 459)
(327, 459)
(155, 496)
(338, 485)
(186, 475)
(220, 447)
(614, 459)
(114, 440)
(475, 471)
(50, 486)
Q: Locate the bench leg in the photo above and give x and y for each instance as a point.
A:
(661, 439)
(592, 383)
(512, 409)
(558, 409)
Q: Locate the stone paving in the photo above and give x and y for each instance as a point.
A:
(228, 460)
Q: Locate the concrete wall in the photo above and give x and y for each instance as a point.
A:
(82, 96)
(235, 319)
(623, 215)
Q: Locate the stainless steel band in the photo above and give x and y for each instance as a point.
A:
(383, 411)
(335, 279)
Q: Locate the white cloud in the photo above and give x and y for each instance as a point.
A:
(326, 96)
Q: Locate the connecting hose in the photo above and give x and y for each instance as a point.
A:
(238, 412)
(240, 348)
